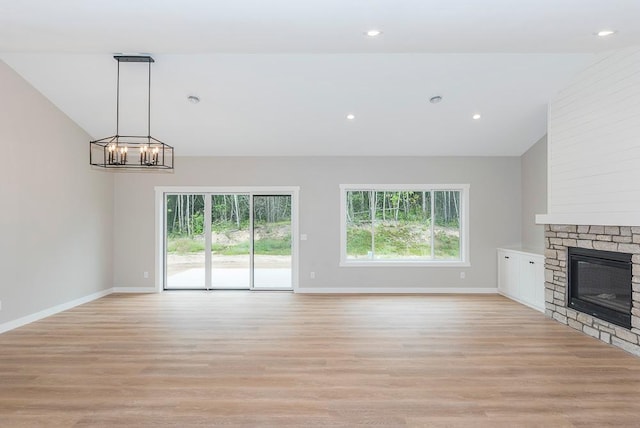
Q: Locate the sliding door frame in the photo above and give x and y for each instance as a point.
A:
(160, 227)
(253, 240)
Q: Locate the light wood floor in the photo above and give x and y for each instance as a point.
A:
(277, 359)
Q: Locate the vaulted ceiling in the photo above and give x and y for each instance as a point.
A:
(279, 77)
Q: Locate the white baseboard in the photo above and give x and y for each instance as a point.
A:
(390, 290)
(134, 290)
(10, 325)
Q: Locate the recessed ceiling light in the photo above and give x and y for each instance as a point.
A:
(605, 33)
(476, 116)
(351, 116)
(435, 100)
(373, 33)
(193, 99)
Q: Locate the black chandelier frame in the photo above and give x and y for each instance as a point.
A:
(131, 151)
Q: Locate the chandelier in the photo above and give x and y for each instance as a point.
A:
(141, 152)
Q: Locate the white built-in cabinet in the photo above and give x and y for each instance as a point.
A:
(521, 277)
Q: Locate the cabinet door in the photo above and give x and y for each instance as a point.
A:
(508, 273)
(532, 281)
(527, 280)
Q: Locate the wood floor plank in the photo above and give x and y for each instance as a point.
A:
(279, 359)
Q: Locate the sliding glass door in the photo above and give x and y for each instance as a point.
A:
(228, 241)
(185, 241)
(272, 241)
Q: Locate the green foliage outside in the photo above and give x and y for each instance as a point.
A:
(358, 241)
(197, 223)
(405, 240)
(404, 206)
(229, 220)
(263, 247)
(179, 245)
(401, 240)
(274, 240)
(446, 246)
(402, 222)
(225, 227)
(269, 247)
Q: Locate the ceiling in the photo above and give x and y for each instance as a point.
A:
(279, 77)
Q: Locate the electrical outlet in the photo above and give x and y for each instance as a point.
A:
(312, 275)
(463, 275)
(303, 237)
(146, 274)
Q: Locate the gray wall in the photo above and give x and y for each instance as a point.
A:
(534, 194)
(66, 227)
(56, 215)
(495, 212)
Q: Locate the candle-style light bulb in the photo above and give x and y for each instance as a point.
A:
(110, 148)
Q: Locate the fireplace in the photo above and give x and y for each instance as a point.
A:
(603, 314)
(599, 284)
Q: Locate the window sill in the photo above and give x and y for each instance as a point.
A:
(404, 263)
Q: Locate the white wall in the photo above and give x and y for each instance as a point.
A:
(495, 212)
(534, 194)
(594, 153)
(56, 213)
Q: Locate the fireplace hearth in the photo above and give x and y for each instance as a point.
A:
(599, 284)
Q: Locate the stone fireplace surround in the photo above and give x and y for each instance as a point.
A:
(622, 239)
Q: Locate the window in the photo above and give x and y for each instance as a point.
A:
(404, 225)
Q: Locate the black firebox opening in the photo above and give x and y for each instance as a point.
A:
(600, 284)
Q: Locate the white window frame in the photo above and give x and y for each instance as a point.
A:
(464, 224)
